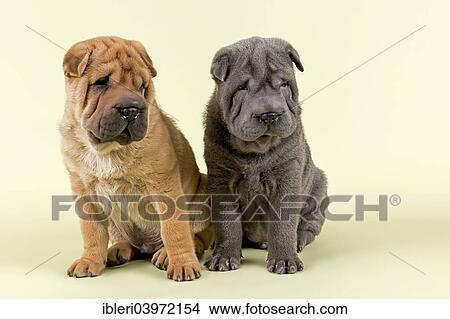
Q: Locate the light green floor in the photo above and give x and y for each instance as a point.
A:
(350, 259)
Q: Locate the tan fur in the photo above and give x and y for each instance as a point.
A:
(161, 163)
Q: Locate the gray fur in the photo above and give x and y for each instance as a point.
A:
(249, 155)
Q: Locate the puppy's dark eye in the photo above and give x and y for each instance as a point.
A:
(284, 85)
(102, 81)
(243, 87)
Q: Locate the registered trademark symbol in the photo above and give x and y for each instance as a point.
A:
(395, 200)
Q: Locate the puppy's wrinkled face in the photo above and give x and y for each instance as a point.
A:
(109, 83)
(257, 92)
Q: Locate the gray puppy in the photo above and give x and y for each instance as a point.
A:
(255, 147)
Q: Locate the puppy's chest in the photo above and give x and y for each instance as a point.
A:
(255, 190)
(249, 184)
(126, 197)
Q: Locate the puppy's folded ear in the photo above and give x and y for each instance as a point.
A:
(144, 56)
(76, 60)
(220, 65)
(293, 54)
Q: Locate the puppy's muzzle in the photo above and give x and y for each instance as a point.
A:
(125, 122)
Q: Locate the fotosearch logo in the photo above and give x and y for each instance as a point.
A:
(225, 207)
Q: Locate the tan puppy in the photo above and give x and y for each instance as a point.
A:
(116, 141)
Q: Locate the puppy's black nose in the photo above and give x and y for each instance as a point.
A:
(130, 108)
(128, 113)
(268, 117)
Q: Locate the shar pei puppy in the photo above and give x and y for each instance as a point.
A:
(258, 158)
(116, 141)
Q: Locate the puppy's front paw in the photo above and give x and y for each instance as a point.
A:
(222, 262)
(284, 265)
(85, 267)
(183, 268)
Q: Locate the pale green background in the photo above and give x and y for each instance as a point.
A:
(382, 129)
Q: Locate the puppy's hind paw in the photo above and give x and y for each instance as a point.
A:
(119, 254)
(304, 238)
(219, 262)
(160, 259)
(288, 265)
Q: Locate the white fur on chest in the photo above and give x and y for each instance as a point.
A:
(102, 166)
